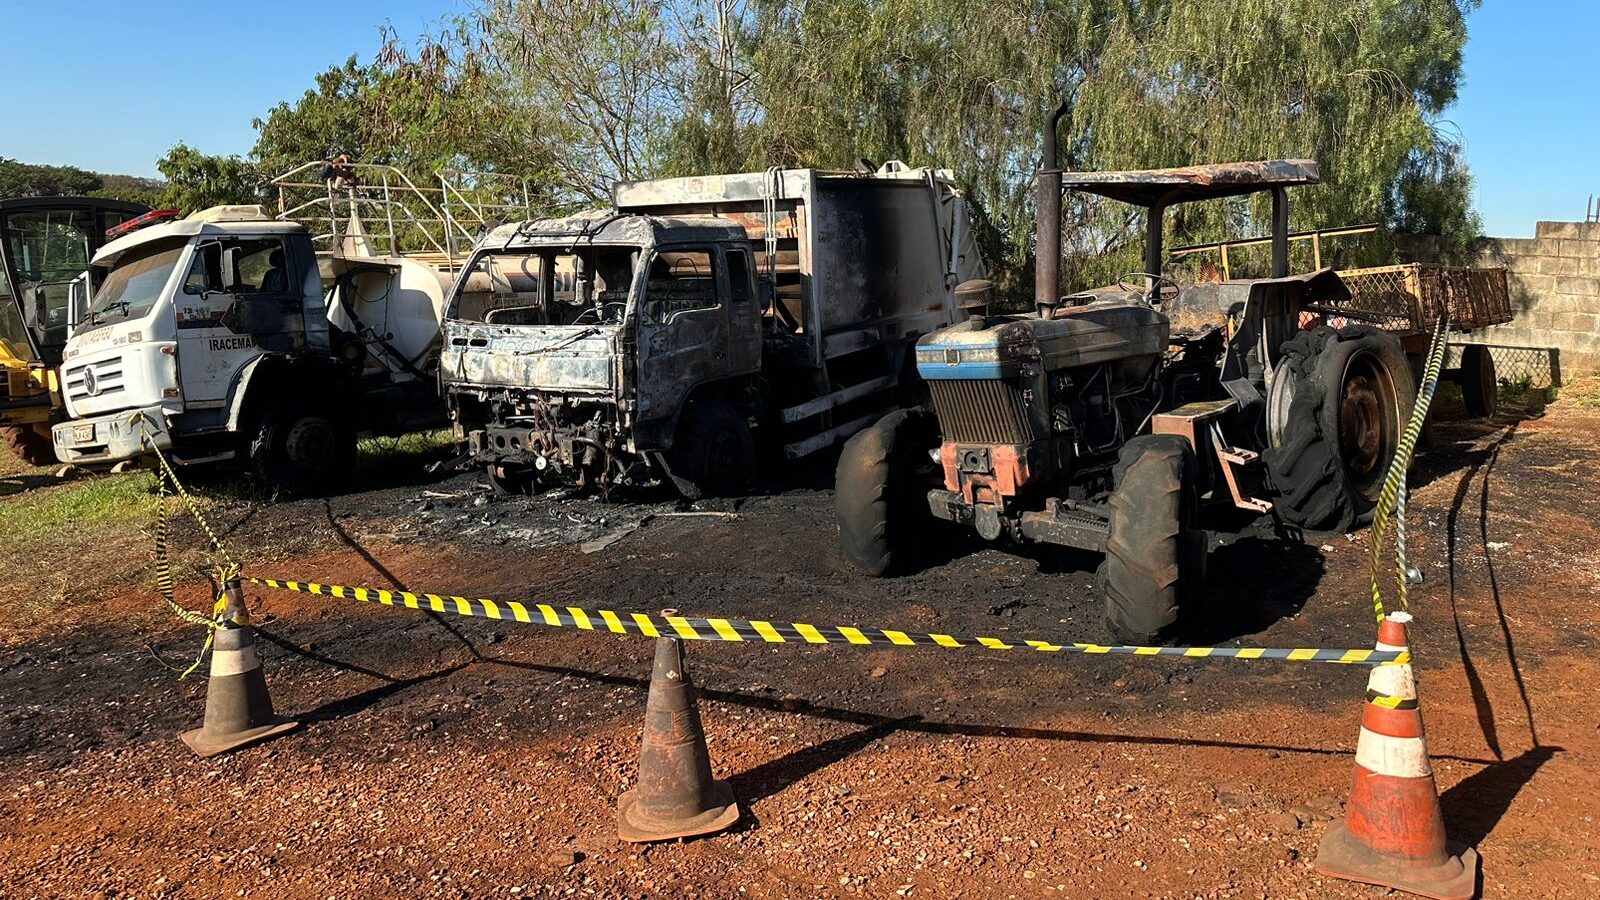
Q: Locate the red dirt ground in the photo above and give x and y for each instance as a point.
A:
(446, 757)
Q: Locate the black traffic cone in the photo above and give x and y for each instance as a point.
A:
(675, 797)
(238, 708)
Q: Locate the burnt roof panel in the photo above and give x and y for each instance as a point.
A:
(1149, 187)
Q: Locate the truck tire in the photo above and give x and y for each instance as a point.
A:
(1155, 553)
(31, 444)
(714, 455)
(1480, 384)
(301, 448)
(1339, 401)
(880, 491)
(508, 480)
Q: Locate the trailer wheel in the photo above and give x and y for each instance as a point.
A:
(300, 448)
(714, 455)
(31, 444)
(1338, 404)
(1480, 385)
(880, 499)
(1155, 554)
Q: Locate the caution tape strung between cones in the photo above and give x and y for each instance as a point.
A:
(759, 631)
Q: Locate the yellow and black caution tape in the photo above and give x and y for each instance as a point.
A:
(1392, 499)
(224, 572)
(759, 631)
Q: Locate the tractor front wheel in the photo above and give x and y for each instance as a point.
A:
(1155, 554)
(880, 493)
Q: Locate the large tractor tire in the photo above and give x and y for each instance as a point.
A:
(1155, 554)
(301, 449)
(714, 454)
(880, 493)
(31, 444)
(1480, 384)
(1339, 401)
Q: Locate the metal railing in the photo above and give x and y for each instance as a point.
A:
(384, 207)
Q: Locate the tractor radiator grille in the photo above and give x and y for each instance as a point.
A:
(981, 411)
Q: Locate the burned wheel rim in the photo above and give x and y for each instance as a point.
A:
(1369, 423)
(311, 445)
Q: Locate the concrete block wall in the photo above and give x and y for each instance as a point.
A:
(1554, 279)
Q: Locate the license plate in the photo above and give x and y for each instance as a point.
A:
(83, 434)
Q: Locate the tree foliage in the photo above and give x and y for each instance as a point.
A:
(198, 180)
(577, 94)
(585, 92)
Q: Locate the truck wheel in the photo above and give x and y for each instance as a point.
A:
(509, 481)
(880, 496)
(301, 449)
(714, 455)
(31, 444)
(1480, 385)
(1155, 554)
(1338, 404)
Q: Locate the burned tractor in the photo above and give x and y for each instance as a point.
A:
(1105, 420)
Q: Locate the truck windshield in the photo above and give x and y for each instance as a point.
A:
(134, 286)
(547, 287)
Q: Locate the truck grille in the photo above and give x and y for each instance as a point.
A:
(981, 411)
(106, 378)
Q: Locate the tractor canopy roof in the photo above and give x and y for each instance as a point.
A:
(1164, 187)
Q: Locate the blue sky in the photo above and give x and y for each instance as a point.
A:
(199, 72)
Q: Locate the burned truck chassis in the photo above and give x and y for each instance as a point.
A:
(526, 439)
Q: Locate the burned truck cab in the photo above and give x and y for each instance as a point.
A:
(571, 345)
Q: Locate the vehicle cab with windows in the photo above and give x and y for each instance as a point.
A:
(170, 336)
(573, 344)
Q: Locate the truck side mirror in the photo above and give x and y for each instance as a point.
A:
(230, 268)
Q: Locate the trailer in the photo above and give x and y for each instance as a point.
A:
(1406, 300)
(664, 338)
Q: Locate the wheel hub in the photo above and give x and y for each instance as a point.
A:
(311, 445)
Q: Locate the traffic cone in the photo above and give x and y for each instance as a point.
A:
(676, 796)
(238, 708)
(1393, 833)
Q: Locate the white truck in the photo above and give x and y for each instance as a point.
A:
(226, 336)
(668, 337)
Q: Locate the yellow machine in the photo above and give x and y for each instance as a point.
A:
(45, 282)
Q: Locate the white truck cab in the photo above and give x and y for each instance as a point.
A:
(222, 335)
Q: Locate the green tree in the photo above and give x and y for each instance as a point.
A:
(198, 180)
(20, 179)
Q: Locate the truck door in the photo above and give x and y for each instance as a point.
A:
(241, 298)
(744, 313)
(683, 328)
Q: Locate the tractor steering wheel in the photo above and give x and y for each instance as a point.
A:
(1167, 290)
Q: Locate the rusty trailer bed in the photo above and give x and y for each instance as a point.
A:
(1409, 299)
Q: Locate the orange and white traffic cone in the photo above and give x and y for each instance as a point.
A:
(1393, 832)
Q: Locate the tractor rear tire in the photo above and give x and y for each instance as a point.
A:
(714, 454)
(1340, 400)
(1155, 554)
(1480, 384)
(31, 444)
(880, 498)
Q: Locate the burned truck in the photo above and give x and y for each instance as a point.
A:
(700, 325)
(1104, 419)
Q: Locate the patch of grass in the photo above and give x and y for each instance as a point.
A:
(91, 501)
(1581, 393)
(423, 445)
